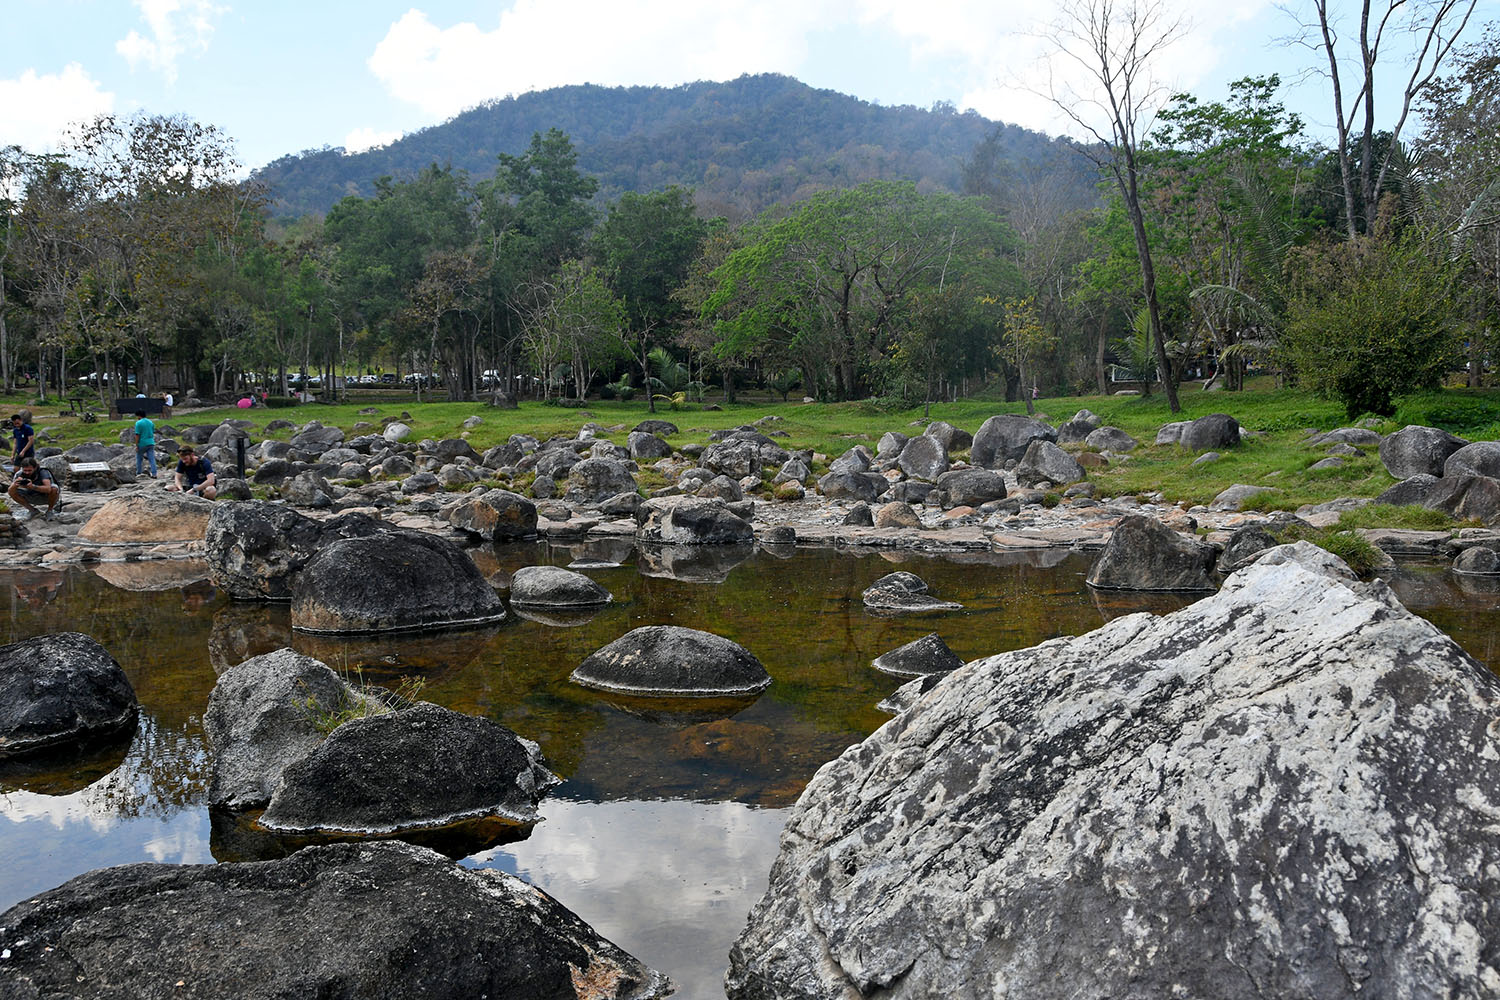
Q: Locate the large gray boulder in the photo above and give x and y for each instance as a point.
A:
(495, 515)
(1211, 433)
(1144, 554)
(1110, 439)
(970, 487)
(952, 438)
(923, 457)
(397, 580)
(851, 485)
(1482, 458)
(595, 479)
(918, 658)
(1416, 450)
(61, 691)
(1466, 497)
(555, 587)
(1045, 462)
(671, 661)
(256, 550)
(744, 455)
(262, 716)
(1005, 437)
(646, 447)
(314, 439)
(1412, 490)
(1223, 802)
(419, 768)
(338, 921)
(691, 521)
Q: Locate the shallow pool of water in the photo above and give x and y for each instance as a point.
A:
(664, 829)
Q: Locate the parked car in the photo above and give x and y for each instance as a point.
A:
(388, 378)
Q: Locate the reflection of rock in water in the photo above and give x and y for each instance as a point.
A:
(692, 563)
(678, 711)
(557, 617)
(244, 629)
(603, 551)
(388, 658)
(779, 550)
(1114, 604)
(64, 773)
(37, 587)
(1476, 584)
(236, 836)
(153, 575)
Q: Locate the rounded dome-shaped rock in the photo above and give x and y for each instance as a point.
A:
(1478, 561)
(1415, 450)
(149, 519)
(1005, 437)
(418, 768)
(555, 587)
(1110, 439)
(927, 655)
(60, 690)
(903, 592)
(1482, 458)
(393, 581)
(255, 550)
(674, 662)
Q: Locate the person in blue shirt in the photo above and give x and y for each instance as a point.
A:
(24, 436)
(194, 474)
(145, 443)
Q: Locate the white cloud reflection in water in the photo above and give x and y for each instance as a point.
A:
(670, 882)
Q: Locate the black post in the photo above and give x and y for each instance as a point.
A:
(239, 451)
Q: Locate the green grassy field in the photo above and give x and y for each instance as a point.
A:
(1276, 456)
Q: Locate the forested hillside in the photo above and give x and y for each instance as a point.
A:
(741, 145)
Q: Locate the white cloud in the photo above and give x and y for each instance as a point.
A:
(175, 27)
(362, 139)
(36, 110)
(548, 43)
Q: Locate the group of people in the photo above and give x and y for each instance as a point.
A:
(34, 484)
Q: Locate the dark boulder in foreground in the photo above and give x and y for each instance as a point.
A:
(674, 662)
(419, 768)
(341, 921)
(903, 592)
(1144, 554)
(397, 580)
(554, 587)
(927, 655)
(61, 691)
(1284, 790)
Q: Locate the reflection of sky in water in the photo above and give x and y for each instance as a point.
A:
(670, 882)
(663, 835)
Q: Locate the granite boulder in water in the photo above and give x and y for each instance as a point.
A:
(927, 655)
(674, 662)
(255, 550)
(554, 587)
(60, 691)
(1144, 554)
(903, 592)
(1288, 789)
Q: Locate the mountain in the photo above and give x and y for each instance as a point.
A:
(741, 145)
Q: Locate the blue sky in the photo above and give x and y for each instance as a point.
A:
(280, 77)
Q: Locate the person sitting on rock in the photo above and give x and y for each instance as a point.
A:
(33, 482)
(194, 474)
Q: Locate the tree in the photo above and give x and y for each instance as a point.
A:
(1370, 319)
(575, 315)
(1115, 46)
(1433, 28)
(842, 266)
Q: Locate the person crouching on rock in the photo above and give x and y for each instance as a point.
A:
(194, 474)
(33, 482)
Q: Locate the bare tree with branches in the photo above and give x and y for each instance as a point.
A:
(1114, 46)
(1433, 28)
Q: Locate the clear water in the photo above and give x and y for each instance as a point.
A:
(664, 830)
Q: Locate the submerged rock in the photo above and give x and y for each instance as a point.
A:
(343, 920)
(671, 661)
(61, 691)
(903, 592)
(927, 655)
(418, 768)
(1222, 802)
